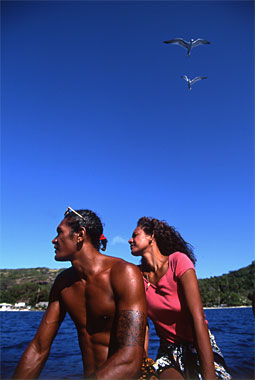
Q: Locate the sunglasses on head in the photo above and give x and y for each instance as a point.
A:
(69, 210)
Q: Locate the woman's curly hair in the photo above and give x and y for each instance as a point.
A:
(167, 238)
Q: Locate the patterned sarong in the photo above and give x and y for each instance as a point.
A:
(184, 358)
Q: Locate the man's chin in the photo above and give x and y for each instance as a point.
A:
(57, 258)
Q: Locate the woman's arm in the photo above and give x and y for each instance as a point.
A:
(192, 295)
(146, 340)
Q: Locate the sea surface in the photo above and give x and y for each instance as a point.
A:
(233, 329)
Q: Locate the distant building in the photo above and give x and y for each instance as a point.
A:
(5, 306)
(20, 305)
(42, 305)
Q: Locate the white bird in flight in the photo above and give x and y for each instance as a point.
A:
(187, 45)
(191, 81)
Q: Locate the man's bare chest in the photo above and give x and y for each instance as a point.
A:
(91, 304)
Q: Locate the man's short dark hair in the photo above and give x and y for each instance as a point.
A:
(90, 221)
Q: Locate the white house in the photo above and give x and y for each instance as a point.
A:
(20, 305)
(5, 306)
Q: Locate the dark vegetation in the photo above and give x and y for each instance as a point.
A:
(26, 285)
(33, 285)
(233, 289)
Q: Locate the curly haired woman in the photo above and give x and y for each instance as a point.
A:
(187, 349)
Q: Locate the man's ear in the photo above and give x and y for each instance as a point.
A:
(81, 234)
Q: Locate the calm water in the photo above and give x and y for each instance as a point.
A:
(233, 330)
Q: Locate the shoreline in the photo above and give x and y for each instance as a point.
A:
(205, 308)
(226, 307)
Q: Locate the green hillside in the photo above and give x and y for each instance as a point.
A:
(26, 285)
(33, 286)
(233, 289)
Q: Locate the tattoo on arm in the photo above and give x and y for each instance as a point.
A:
(131, 328)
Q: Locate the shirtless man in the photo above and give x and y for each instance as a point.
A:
(105, 298)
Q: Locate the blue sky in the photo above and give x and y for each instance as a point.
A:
(95, 115)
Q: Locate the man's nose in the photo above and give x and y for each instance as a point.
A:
(130, 240)
(54, 240)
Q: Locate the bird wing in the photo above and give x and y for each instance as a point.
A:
(200, 41)
(178, 41)
(197, 79)
(185, 77)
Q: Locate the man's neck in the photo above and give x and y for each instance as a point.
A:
(87, 261)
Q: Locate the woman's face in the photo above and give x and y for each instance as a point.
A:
(139, 242)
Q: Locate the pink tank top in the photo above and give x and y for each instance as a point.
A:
(166, 304)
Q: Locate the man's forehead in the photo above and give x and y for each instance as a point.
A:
(63, 224)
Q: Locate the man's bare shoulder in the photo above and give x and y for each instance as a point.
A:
(123, 265)
(65, 278)
(118, 265)
(122, 271)
(65, 275)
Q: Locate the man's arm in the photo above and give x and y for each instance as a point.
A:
(127, 337)
(37, 352)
